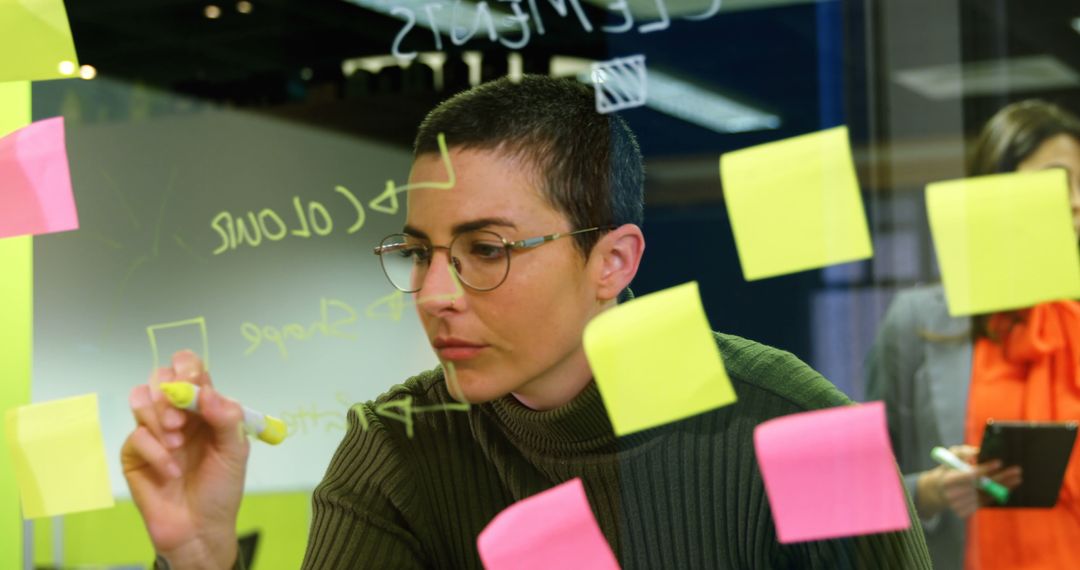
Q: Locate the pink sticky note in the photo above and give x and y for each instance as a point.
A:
(553, 529)
(830, 473)
(35, 181)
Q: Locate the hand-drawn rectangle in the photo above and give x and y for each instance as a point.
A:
(620, 83)
(181, 335)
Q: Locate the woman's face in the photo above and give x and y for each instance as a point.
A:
(1061, 151)
(527, 332)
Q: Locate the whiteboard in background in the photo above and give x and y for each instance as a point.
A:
(300, 326)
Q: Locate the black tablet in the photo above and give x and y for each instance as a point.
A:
(1041, 449)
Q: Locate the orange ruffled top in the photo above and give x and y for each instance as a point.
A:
(1031, 373)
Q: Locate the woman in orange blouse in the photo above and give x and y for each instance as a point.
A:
(1022, 365)
(1026, 366)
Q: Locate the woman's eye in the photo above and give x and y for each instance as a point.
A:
(417, 254)
(484, 250)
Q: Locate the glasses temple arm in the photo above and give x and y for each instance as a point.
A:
(533, 242)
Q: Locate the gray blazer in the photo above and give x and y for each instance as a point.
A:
(920, 365)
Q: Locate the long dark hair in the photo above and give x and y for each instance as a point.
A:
(1012, 135)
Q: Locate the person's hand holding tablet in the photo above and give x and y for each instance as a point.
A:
(186, 471)
(945, 487)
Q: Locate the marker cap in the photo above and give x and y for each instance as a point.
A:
(996, 490)
(275, 431)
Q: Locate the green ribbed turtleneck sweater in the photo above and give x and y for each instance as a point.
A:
(685, 495)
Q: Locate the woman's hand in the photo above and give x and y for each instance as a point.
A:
(186, 470)
(946, 488)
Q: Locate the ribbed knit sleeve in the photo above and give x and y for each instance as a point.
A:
(358, 510)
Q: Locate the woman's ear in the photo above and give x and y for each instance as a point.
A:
(616, 258)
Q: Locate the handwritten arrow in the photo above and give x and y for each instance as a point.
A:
(387, 202)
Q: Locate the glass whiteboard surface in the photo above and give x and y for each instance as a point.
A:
(299, 321)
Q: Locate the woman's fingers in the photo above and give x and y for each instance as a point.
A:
(225, 418)
(960, 494)
(171, 418)
(142, 407)
(142, 448)
(150, 415)
(966, 508)
(988, 468)
(965, 452)
(190, 368)
(1010, 477)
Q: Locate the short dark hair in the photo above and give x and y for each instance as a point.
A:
(1017, 131)
(589, 164)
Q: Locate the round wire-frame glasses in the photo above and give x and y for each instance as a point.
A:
(479, 258)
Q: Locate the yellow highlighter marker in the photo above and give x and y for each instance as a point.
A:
(185, 395)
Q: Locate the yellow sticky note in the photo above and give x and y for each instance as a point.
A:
(655, 360)
(795, 204)
(35, 38)
(1004, 241)
(59, 456)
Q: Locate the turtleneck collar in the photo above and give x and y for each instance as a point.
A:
(579, 426)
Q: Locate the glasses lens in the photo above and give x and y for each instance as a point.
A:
(404, 260)
(481, 259)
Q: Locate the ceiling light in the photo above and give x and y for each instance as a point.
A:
(212, 11)
(704, 107)
(515, 67)
(475, 61)
(87, 72)
(990, 77)
(66, 68)
(244, 7)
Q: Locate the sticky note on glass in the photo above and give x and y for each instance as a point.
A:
(795, 204)
(553, 529)
(35, 39)
(59, 457)
(655, 360)
(1004, 241)
(830, 473)
(35, 181)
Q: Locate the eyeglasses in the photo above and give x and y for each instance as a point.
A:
(481, 258)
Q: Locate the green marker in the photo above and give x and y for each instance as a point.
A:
(185, 396)
(996, 490)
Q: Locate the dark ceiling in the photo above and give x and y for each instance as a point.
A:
(285, 56)
(258, 60)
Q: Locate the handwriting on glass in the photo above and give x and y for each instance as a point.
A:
(517, 30)
(345, 316)
(303, 222)
(313, 218)
(307, 419)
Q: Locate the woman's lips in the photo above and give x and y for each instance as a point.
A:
(450, 348)
(459, 352)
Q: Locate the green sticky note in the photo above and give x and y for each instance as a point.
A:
(59, 456)
(35, 38)
(1004, 241)
(795, 204)
(655, 360)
